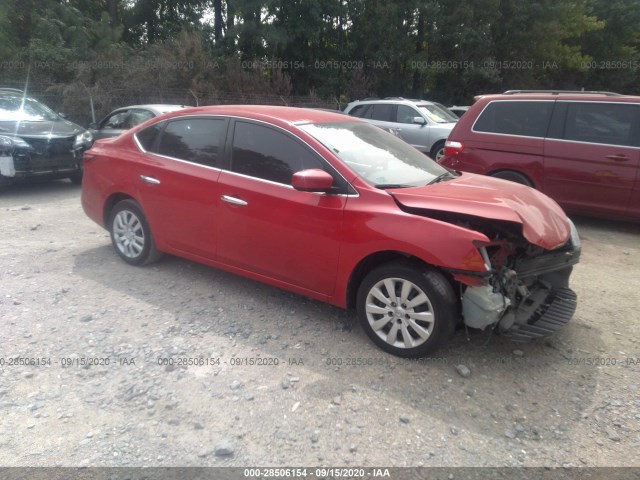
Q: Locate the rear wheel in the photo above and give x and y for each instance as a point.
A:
(131, 235)
(513, 177)
(407, 310)
(437, 151)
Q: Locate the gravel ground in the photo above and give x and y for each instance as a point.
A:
(289, 381)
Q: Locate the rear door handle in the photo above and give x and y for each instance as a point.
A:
(151, 180)
(618, 158)
(233, 200)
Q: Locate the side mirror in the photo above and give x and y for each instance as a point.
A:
(312, 180)
(93, 126)
(63, 115)
(419, 121)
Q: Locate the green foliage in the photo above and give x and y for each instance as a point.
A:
(448, 50)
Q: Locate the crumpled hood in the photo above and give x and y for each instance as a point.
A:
(543, 221)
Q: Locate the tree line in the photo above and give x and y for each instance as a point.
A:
(446, 50)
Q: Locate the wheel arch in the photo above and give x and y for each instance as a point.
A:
(376, 259)
(111, 202)
(530, 181)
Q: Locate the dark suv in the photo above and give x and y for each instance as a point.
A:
(35, 141)
(580, 148)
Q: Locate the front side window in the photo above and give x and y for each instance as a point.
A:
(117, 121)
(607, 123)
(406, 114)
(269, 154)
(195, 140)
(378, 157)
(523, 118)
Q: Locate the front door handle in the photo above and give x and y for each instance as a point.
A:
(233, 200)
(151, 180)
(618, 158)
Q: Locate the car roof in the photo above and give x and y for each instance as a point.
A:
(155, 107)
(560, 95)
(290, 115)
(408, 101)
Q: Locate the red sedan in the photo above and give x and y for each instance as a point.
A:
(335, 209)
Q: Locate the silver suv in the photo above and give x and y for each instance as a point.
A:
(425, 125)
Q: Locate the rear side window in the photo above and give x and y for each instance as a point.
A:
(359, 111)
(266, 153)
(528, 119)
(607, 123)
(148, 137)
(195, 140)
(383, 112)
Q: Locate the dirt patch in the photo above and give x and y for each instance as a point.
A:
(179, 364)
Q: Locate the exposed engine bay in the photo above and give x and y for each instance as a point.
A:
(526, 294)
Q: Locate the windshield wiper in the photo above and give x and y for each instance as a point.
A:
(384, 186)
(441, 177)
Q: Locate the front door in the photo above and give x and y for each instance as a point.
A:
(265, 225)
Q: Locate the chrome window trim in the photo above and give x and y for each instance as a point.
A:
(141, 148)
(637, 105)
(284, 185)
(285, 131)
(616, 145)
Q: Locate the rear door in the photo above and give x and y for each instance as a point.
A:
(266, 226)
(178, 181)
(592, 156)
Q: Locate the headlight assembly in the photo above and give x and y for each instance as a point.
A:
(83, 139)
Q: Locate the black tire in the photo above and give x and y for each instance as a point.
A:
(437, 151)
(76, 178)
(436, 318)
(130, 234)
(513, 177)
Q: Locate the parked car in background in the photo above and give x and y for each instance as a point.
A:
(122, 119)
(459, 111)
(336, 209)
(424, 125)
(580, 148)
(37, 142)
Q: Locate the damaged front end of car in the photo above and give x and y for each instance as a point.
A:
(525, 293)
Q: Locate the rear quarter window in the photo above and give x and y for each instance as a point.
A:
(522, 118)
(148, 138)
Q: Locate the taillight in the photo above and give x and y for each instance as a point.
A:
(453, 148)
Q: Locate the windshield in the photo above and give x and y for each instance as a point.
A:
(15, 108)
(378, 157)
(438, 113)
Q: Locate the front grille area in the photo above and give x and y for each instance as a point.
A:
(47, 155)
(557, 314)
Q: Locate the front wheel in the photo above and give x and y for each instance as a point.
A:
(407, 310)
(131, 235)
